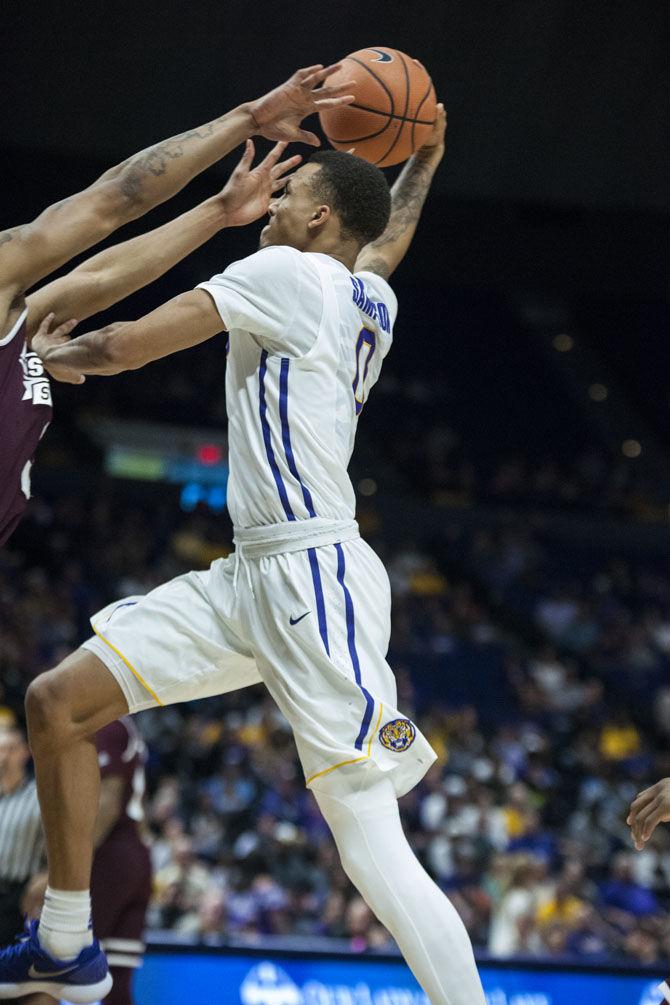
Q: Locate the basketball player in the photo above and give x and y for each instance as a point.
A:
(649, 809)
(119, 908)
(304, 604)
(123, 193)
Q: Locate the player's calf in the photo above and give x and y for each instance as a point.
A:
(64, 708)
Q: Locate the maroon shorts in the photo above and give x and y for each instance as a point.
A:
(120, 893)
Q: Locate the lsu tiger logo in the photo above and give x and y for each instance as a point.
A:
(397, 735)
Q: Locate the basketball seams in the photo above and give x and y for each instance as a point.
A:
(379, 80)
(404, 115)
(378, 132)
(418, 109)
(388, 116)
(427, 122)
(405, 118)
(358, 139)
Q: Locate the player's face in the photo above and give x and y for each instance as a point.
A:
(291, 211)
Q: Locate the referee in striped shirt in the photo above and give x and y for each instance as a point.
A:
(21, 838)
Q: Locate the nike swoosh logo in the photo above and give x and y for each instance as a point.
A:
(294, 621)
(383, 57)
(41, 974)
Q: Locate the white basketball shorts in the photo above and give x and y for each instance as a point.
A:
(312, 625)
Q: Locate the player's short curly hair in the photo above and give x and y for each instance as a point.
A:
(356, 191)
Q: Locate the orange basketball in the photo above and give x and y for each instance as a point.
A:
(394, 108)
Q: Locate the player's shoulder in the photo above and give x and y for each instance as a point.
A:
(15, 322)
(273, 258)
(271, 273)
(271, 269)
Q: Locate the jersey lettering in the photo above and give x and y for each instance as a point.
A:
(36, 387)
(365, 350)
(375, 309)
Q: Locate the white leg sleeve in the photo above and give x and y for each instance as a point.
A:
(380, 863)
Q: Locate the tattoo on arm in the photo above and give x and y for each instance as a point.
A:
(154, 161)
(7, 236)
(408, 196)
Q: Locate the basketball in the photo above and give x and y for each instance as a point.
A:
(394, 108)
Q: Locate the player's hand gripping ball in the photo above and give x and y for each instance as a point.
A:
(393, 111)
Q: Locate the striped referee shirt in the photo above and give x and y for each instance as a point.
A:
(21, 836)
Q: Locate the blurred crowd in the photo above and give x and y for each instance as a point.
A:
(545, 693)
(445, 464)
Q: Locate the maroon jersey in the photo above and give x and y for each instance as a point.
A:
(25, 412)
(121, 752)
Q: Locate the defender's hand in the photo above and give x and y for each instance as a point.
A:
(45, 341)
(249, 191)
(648, 810)
(278, 114)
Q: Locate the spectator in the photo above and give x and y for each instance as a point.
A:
(513, 916)
(620, 893)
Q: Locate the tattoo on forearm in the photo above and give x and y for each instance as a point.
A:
(7, 236)
(154, 161)
(408, 196)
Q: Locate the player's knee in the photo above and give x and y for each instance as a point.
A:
(47, 710)
(354, 867)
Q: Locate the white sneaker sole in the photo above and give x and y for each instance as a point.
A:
(78, 994)
(664, 988)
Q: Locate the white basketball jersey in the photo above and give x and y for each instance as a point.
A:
(306, 343)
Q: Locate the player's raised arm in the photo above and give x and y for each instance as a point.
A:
(117, 272)
(30, 252)
(408, 196)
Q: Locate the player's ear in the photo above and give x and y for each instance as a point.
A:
(320, 218)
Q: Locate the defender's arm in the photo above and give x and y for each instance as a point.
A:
(408, 196)
(30, 252)
(118, 271)
(122, 194)
(185, 321)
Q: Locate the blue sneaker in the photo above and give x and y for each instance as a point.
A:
(25, 969)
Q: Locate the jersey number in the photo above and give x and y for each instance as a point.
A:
(365, 350)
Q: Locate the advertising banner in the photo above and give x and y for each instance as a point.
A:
(224, 979)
